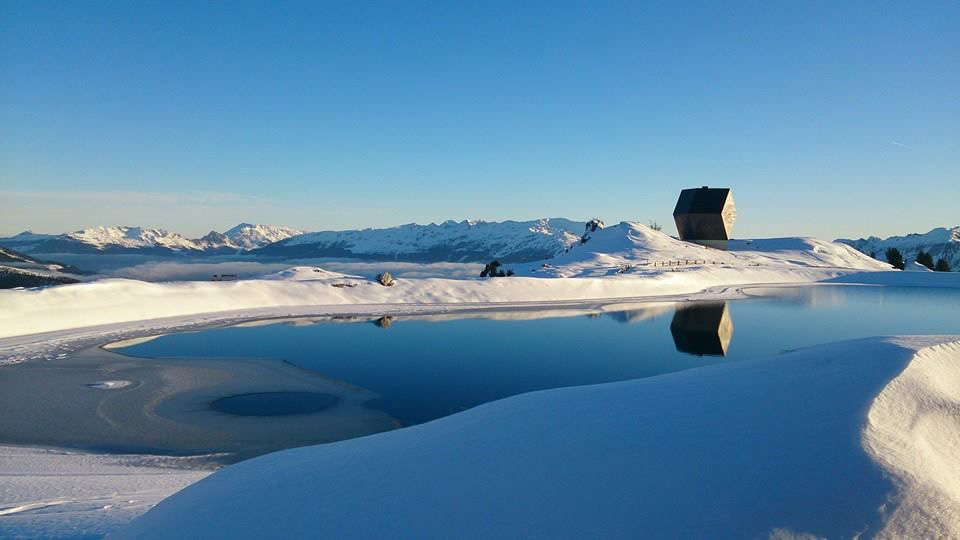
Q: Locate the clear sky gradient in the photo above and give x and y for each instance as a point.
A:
(826, 118)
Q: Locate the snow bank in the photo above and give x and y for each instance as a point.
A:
(915, 267)
(57, 494)
(112, 301)
(913, 431)
(309, 273)
(949, 280)
(790, 446)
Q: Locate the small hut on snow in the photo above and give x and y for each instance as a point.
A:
(705, 215)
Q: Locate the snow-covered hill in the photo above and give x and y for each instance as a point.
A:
(463, 241)
(11, 277)
(635, 248)
(14, 259)
(940, 243)
(11, 256)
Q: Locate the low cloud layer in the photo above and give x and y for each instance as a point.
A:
(186, 271)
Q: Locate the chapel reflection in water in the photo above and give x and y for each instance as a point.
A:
(702, 329)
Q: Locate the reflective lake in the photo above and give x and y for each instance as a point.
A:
(263, 386)
(427, 368)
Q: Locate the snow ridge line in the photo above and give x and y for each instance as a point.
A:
(912, 432)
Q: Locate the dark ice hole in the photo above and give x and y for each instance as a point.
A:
(274, 403)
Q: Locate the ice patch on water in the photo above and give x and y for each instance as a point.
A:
(109, 385)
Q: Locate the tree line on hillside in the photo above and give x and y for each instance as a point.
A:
(895, 258)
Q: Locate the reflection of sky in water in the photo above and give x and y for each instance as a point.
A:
(810, 315)
(425, 370)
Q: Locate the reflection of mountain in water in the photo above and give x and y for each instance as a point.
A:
(640, 314)
(805, 296)
(702, 329)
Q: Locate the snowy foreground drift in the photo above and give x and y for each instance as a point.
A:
(854, 438)
(54, 494)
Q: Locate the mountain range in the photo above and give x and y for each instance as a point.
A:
(452, 241)
(115, 240)
(463, 241)
(941, 243)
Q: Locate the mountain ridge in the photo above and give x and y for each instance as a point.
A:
(449, 241)
(940, 242)
(146, 240)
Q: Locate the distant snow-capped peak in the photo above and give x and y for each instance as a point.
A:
(131, 237)
(244, 236)
(248, 236)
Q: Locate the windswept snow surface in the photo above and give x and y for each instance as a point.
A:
(309, 273)
(47, 493)
(913, 432)
(618, 262)
(797, 445)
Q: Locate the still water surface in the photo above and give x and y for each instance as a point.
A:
(424, 369)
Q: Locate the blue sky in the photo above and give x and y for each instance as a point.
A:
(826, 118)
